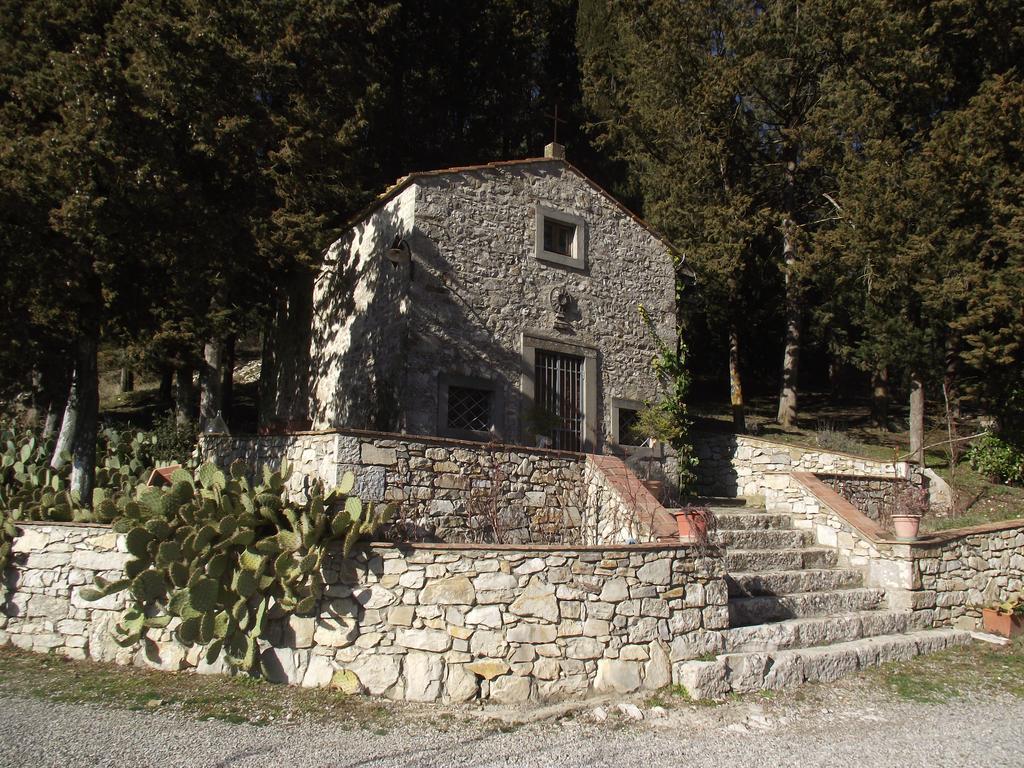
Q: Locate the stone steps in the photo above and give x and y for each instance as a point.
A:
(801, 633)
(777, 669)
(744, 560)
(731, 520)
(766, 608)
(763, 538)
(756, 583)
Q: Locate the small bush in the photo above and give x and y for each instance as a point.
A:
(999, 458)
(832, 439)
(173, 442)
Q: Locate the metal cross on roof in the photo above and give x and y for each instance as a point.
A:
(556, 120)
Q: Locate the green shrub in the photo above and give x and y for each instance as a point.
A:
(998, 458)
(174, 442)
(211, 554)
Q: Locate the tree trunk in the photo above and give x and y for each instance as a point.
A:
(227, 387)
(880, 397)
(83, 444)
(794, 311)
(951, 377)
(211, 382)
(166, 384)
(127, 383)
(67, 425)
(285, 370)
(739, 419)
(916, 418)
(183, 395)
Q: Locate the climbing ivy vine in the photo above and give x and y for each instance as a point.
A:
(668, 417)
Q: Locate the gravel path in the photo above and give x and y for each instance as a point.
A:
(981, 731)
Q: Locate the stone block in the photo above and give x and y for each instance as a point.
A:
(456, 590)
(424, 639)
(371, 454)
(377, 672)
(617, 676)
(537, 600)
(423, 672)
(510, 689)
(531, 633)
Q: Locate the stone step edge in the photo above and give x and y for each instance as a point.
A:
(806, 595)
(749, 672)
(791, 634)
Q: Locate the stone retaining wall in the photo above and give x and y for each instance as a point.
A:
(945, 578)
(873, 496)
(418, 623)
(736, 465)
(447, 490)
(960, 575)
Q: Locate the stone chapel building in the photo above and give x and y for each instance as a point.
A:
(495, 301)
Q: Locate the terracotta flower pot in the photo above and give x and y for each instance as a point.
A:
(692, 527)
(906, 526)
(1003, 624)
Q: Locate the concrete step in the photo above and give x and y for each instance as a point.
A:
(743, 560)
(796, 633)
(764, 539)
(774, 670)
(758, 610)
(787, 582)
(731, 520)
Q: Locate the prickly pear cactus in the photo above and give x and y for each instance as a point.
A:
(217, 553)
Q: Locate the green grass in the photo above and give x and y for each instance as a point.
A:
(231, 699)
(979, 500)
(939, 677)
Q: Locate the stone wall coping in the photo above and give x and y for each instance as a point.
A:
(656, 546)
(943, 537)
(64, 523)
(411, 438)
(861, 522)
(796, 447)
(876, 534)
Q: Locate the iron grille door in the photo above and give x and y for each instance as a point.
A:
(559, 393)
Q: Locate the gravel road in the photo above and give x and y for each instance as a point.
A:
(978, 731)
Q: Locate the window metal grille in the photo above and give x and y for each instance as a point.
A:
(559, 393)
(469, 408)
(558, 237)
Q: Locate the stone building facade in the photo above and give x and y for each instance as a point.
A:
(498, 301)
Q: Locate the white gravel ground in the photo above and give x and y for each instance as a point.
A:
(976, 731)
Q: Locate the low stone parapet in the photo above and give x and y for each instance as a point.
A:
(447, 490)
(738, 465)
(419, 622)
(945, 578)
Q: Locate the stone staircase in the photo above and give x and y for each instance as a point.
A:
(795, 615)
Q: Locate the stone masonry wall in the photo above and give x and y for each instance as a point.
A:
(737, 465)
(418, 623)
(446, 490)
(475, 287)
(967, 573)
(874, 497)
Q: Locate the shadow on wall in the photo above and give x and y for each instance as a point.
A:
(359, 335)
(716, 471)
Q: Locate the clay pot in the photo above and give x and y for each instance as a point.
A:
(1004, 624)
(692, 527)
(906, 526)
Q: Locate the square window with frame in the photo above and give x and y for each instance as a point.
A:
(560, 237)
(468, 407)
(629, 419)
